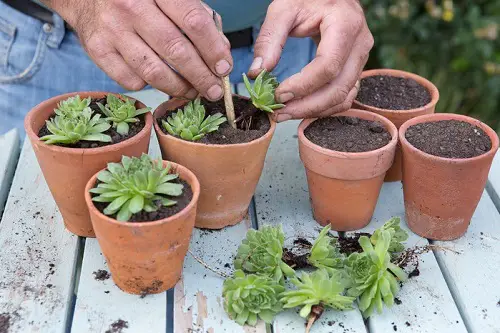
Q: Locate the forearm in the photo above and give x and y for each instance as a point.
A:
(68, 9)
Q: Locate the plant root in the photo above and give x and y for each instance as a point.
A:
(316, 312)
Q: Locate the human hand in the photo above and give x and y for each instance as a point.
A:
(329, 84)
(142, 42)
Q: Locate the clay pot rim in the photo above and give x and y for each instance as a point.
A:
(82, 151)
(159, 131)
(195, 187)
(448, 116)
(389, 126)
(433, 90)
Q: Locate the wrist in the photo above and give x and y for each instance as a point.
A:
(65, 8)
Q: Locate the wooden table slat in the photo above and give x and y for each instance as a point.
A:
(9, 153)
(37, 257)
(494, 181)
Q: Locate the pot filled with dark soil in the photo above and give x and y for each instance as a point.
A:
(227, 161)
(73, 138)
(398, 96)
(346, 157)
(143, 213)
(446, 160)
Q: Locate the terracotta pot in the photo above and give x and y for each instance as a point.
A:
(67, 170)
(399, 117)
(344, 187)
(147, 257)
(228, 174)
(441, 194)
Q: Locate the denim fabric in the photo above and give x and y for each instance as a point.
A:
(39, 61)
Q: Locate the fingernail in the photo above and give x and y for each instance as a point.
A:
(256, 64)
(283, 117)
(191, 94)
(222, 67)
(215, 92)
(285, 97)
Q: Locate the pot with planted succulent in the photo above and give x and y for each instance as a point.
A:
(75, 135)
(143, 214)
(226, 156)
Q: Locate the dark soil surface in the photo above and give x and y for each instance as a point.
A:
(118, 326)
(347, 134)
(297, 256)
(162, 212)
(449, 138)
(350, 244)
(4, 322)
(115, 136)
(249, 129)
(101, 275)
(392, 93)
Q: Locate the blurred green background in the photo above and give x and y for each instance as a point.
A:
(454, 44)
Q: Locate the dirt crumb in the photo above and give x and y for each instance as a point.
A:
(101, 275)
(118, 326)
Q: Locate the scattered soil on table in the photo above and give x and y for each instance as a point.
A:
(393, 93)
(347, 134)
(152, 289)
(449, 138)
(350, 244)
(397, 301)
(118, 326)
(394, 327)
(249, 129)
(407, 324)
(162, 212)
(115, 136)
(4, 322)
(101, 275)
(413, 273)
(297, 256)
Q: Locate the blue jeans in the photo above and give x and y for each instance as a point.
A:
(39, 61)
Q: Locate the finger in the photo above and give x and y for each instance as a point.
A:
(272, 38)
(172, 46)
(112, 63)
(338, 34)
(197, 23)
(146, 63)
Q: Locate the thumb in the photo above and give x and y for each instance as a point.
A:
(272, 38)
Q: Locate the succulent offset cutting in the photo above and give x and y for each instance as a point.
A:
(262, 91)
(190, 124)
(121, 112)
(72, 126)
(398, 235)
(261, 253)
(72, 106)
(249, 297)
(374, 276)
(325, 252)
(134, 185)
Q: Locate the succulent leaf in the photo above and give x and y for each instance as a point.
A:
(398, 235)
(325, 252)
(121, 111)
(262, 91)
(190, 124)
(134, 185)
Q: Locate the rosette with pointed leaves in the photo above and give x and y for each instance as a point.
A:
(262, 91)
(374, 277)
(398, 235)
(190, 124)
(134, 185)
(261, 252)
(121, 111)
(71, 127)
(321, 287)
(249, 297)
(72, 106)
(325, 252)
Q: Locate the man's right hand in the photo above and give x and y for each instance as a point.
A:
(172, 45)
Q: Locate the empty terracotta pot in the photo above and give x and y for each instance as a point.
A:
(67, 170)
(344, 187)
(399, 117)
(146, 257)
(441, 194)
(228, 174)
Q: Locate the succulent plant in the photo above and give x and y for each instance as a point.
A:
(72, 106)
(134, 185)
(69, 127)
(262, 91)
(261, 253)
(190, 124)
(374, 277)
(398, 235)
(249, 297)
(121, 111)
(324, 252)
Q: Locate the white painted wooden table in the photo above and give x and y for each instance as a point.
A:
(47, 282)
